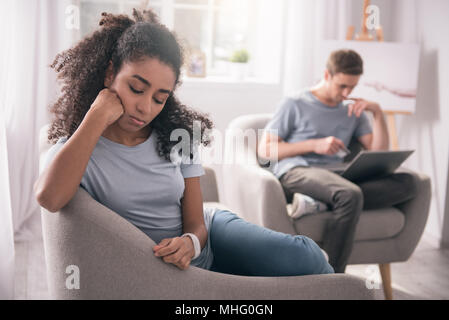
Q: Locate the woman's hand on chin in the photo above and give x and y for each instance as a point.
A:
(108, 105)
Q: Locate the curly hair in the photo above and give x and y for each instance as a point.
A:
(82, 70)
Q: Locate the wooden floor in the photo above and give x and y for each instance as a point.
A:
(424, 276)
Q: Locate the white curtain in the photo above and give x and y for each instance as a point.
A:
(33, 31)
(309, 22)
(6, 227)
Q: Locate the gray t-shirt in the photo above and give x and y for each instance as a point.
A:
(303, 117)
(142, 187)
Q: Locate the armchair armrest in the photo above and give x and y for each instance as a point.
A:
(209, 186)
(416, 212)
(263, 202)
(115, 261)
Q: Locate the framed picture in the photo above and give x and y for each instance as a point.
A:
(196, 64)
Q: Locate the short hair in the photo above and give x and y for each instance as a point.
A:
(345, 61)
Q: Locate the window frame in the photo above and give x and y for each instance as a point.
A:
(167, 15)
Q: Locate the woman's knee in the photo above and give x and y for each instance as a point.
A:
(310, 257)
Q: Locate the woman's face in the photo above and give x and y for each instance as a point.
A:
(143, 87)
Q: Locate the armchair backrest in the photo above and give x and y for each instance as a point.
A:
(243, 134)
(44, 145)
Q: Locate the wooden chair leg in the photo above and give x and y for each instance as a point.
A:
(385, 273)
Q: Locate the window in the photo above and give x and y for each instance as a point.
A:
(216, 28)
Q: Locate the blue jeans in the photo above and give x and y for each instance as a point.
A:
(243, 248)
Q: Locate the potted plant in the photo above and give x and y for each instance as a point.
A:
(239, 64)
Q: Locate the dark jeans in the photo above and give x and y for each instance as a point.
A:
(346, 199)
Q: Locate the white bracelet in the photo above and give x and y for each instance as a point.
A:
(196, 243)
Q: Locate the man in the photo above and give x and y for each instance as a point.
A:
(313, 130)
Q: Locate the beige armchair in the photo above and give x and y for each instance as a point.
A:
(114, 260)
(382, 236)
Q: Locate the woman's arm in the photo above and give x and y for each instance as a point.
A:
(59, 181)
(192, 210)
(180, 250)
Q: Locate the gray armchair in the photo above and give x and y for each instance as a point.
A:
(114, 260)
(382, 236)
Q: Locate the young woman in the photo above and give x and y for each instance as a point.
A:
(112, 126)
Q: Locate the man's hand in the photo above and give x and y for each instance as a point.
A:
(328, 146)
(178, 251)
(379, 139)
(361, 105)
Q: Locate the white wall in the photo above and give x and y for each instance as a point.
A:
(225, 101)
(427, 131)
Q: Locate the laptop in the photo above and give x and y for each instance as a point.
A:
(369, 164)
